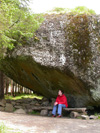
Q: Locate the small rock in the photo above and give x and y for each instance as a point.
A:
(39, 101)
(18, 107)
(50, 113)
(3, 102)
(33, 102)
(24, 100)
(29, 110)
(9, 107)
(53, 99)
(13, 103)
(19, 101)
(45, 99)
(44, 112)
(27, 106)
(74, 114)
(29, 99)
(18, 104)
(8, 101)
(45, 103)
(93, 117)
(37, 104)
(86, 117)
(2, 108)
(20, 111)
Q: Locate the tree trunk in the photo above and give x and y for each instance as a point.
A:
(25, 90)
(7, 85)
(18, 88)
(15, 88)
(1, 85)
(12, 88)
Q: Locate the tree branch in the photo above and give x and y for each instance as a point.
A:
(14, 23)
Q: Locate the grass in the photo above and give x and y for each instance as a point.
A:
(5, 129)
(21, 96)
(35, 113)
(79, 117)
(98, 115)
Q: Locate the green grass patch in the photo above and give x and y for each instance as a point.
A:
(34, 113)
(98, 115)
(21, 96)
(5, 129)
(79, 117)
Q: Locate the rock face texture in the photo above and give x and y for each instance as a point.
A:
(64, 54)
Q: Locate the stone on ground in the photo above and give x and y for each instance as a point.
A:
(20, 111)
(93, 117)
(9, 107)
(44, 112)
(74, 114)
(86, 117)
(3, 102)
(2, 108)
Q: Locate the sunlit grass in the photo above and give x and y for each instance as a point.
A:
(98, 115)
(5, 129)
(34, 113)
(21, 96)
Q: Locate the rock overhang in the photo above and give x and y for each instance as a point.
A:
(54, 60)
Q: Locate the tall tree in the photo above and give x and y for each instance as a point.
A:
(12, 88)
(1, 85)
(7, 85)
(17, 25)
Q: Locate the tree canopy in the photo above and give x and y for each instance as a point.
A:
(17, 23)
(76, 10)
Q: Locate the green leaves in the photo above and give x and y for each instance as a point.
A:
(16, 23)
(77, 10)
(82, 10)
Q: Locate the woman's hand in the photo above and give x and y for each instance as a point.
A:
(55, 103)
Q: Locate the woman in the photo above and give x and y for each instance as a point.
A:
(61, 102)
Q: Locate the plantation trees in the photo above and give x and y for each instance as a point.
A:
(17, 25)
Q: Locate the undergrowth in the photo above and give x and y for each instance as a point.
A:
(21, 96)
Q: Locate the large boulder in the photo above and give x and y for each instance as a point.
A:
(63, 54)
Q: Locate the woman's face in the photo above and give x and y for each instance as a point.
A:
(59, 93)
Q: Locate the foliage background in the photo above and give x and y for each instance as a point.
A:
(17, 24)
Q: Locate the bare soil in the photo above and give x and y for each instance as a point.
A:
(39, 124)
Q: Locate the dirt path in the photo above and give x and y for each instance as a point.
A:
(38, 124)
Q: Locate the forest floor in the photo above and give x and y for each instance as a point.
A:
(37, 124)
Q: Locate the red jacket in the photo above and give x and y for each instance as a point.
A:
(62, 100)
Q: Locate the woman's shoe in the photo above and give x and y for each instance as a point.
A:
(53, 116)
(58, 116)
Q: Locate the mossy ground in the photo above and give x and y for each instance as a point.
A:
(34, 113)
(21, 96)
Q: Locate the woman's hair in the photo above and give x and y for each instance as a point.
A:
(62, 91)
